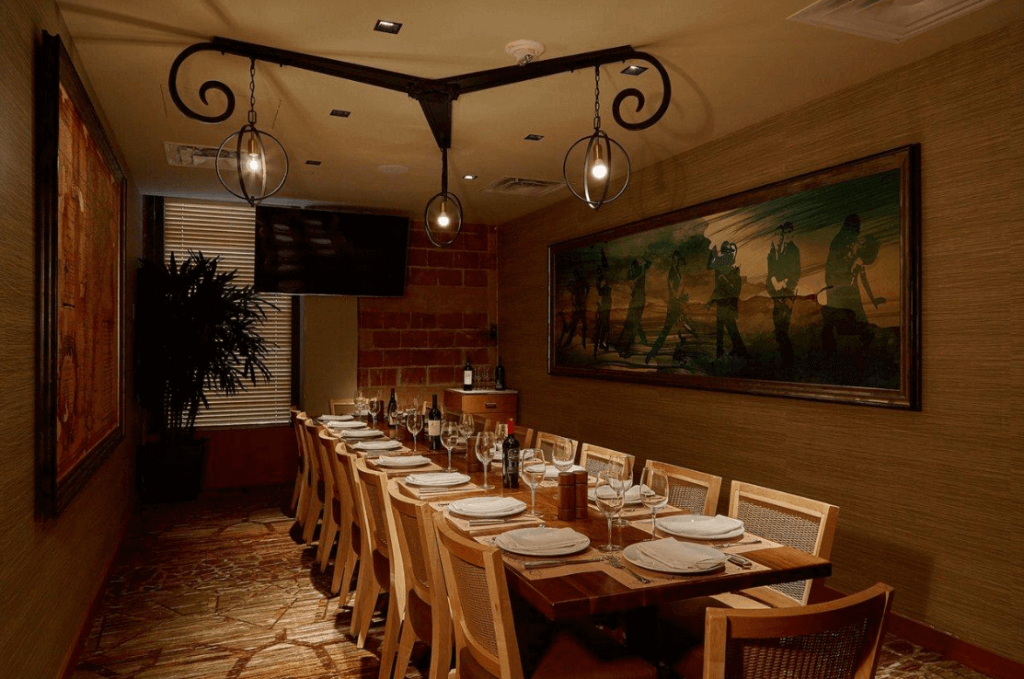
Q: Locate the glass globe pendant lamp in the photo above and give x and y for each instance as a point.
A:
(599, 157)
(442, 218)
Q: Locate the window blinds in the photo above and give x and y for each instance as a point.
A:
(228, 231)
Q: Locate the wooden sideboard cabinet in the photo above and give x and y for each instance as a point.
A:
(499, 406)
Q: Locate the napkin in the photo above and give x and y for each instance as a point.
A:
(335, 418)
(631, 496)
(668, 553)
(353, 424)
(402, 461)
(387, 444)
(361, 433)
(701, 527)
(538, 539)
(486, 505)
(439, 479)
(551, 471)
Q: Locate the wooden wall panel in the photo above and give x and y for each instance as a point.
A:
(50, 570)
(930, 501)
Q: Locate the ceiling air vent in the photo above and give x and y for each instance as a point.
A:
(517, 186)
(888, 20)
(194, 155)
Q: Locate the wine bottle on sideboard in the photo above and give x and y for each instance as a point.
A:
(434, 426)
(467, 376)
(499, 376)
(392, 405)
(510, 458)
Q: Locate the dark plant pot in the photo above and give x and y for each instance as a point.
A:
(172, 472)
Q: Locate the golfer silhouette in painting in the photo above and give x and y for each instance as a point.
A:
(580, 290)
(602, 326)
(637, 275)
(783, 275)
(726, 296)
(676, 297)
(849, 255)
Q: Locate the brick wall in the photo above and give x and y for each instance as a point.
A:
(420, 342)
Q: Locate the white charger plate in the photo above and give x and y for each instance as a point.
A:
(704, 559)
(438, 480)
(576, 547)
(551, 471)
(678, 526)
(475, 508)
(336, 418)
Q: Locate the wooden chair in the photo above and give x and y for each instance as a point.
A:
(342, 406)
(316, 482)
(482, 423)
(690, 489)
(485, 639)
(546, 441)
(351, 538)
(525, 436)
(330, 528)
(427, 617)
(839, 639)
(299, 495)
(595, 458)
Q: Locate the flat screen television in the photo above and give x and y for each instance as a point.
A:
(321, 252)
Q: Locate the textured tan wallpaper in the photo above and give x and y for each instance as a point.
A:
(930, 501)
(49, 569)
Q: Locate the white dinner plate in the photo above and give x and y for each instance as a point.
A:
(362, 434)
(348, 424)
(335, 418)
(487, 507)
(507, 542)
(438, 480)
(695, 527)
(374, 446)
(686, 557)
(402, 461)
(632, 495)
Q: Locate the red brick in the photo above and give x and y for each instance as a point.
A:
(370, 319)
(362, 378)
(414, 375)
(371, 359)
(402, 357)
(465, 259)
(422, 320)
(450, 321)
(441, 258)
(376, 378)
(474, 321)
(449, 276)
(418, 257)
(388, 378)
(475, 241)
(475, 278)
(416, 338)
(418, 237)
(446, 357)
(397, 319)
(469, 338)
(489, 261)
(478, 356)
(421, 276)
(442, 338)
(442, 375)
(387, 339)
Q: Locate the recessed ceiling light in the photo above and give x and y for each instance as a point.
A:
(338, 113)
(387, 26)
(469, 177)
(533, 137)
(313, 162)
(634, 70)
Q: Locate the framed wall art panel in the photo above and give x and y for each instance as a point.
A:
(806, 288)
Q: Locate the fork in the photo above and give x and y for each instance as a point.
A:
(614, 562)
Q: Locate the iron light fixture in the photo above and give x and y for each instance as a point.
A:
(254, 153)
(442, 217)
(600, 160)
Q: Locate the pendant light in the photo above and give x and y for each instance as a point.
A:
(251, 154)
(442, 217)
(600, 159)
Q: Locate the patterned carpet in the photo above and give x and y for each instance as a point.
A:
(221, 588)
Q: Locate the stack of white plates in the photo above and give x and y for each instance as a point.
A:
(487, 507)
(671, 556)
(402, 461)
(699, 527)
(437, 480)
(335, 418)
(346, 424)
(543, 541)
(361, 433)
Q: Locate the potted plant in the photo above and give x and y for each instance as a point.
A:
(196, 331)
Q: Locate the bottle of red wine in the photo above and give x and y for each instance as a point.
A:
(499, 376)
(510, 458)
(467, 376)
(392, 405)
(434, 426)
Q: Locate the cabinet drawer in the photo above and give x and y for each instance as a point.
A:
(481, 404)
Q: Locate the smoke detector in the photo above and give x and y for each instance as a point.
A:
(524, 51)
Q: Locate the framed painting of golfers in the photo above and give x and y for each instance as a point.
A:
(807, 288)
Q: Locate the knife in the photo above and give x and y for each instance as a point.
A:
(556, 562)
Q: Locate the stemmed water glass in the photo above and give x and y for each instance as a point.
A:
(608, 496)
(626, 467)
(414, 423)
(653, 493)
(500, 431)
(531, 471)
(562, 455)
(485, 453)
(374, 405)
(466, 427)
(449, 438)
(394, 420)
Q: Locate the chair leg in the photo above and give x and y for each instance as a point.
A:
(309, 525)
(295, 494)
(328, 531)
(343, 576)
(406, 638)
(303, 507)
(363, 615)
(388, 648)
(440, 646)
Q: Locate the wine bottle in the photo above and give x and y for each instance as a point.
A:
(467, 376)
(392, 406)
(434, 426)
(510, 458)
(499, 376)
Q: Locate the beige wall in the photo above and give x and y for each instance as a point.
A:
(50, 570)
(330, 345)
(930, 501)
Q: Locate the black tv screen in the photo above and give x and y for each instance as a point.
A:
(320, 252)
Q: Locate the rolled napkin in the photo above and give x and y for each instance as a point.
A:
(361, 433)
(347, 424)
(551, 471)
(487, 506)
(674, 555)
(386, 444)
(701, 527)
(542, 538)
(335, 418)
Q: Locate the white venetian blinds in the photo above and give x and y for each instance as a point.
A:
(229, 230)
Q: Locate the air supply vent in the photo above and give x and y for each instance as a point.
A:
(888, 20)
(517, 186)
(194, 155)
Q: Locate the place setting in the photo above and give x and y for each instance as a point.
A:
(379, 447)
(431, 484)
(489, 513)
(350, 423)
(403, 464)
(327, 419)
(359, 434)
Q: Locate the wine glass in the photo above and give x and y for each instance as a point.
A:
(608, 496)
(562, 455)
(531, 471)
(374, 405)
(500, 431)
(466, 427)
(653, 493)
(626, 480)
(449, 438)
(485, 453)
(414, 423)
(359, 401)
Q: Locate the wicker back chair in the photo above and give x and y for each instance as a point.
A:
(482, 423)
(342, 406)
(300, 463)
(524, 434)
(324, 442)
(545, 442)
(358, 536)
(596, 459)
(835, 640)
(318, 489)
(346, 521)
(690, 489)
(807, 525)
(427, 617)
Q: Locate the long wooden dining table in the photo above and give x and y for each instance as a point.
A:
(597, 587)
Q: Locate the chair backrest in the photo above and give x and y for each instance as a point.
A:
(482, 423)
(546, 442)
(342, 406)
(807, 525)
(307, 434)
(417, 541)
(525, 436)
(835, 640)
(690, 489)
(474, 576)
(595, 458)
(352, 503)
(375, 493)
(337, 487)
(298, 422)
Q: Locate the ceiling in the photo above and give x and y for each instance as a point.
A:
(732, 63)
